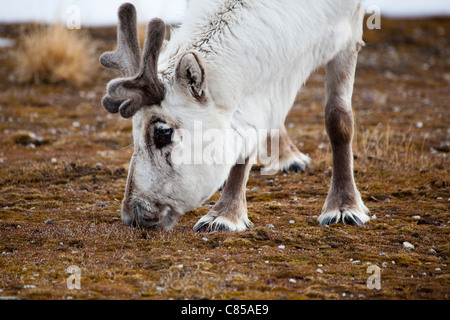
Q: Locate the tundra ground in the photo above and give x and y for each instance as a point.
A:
(64, 163)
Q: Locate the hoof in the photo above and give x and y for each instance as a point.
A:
(296, 167)
(219, 223)
(351, 217)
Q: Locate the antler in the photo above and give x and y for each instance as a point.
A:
(141, 85)
(127, 56)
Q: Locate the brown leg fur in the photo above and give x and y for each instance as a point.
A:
(344, 201)
(230, 212)
(289, 158)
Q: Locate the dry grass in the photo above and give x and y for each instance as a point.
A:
(54, 54)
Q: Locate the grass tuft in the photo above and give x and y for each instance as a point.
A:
(54, 54)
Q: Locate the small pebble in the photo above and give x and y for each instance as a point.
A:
(292, 281)
(49, 221)
(432, 251)
(373, 217)
(270, 226)
(408, 246)
(180, 266)
(281, 247)
(29, 286)
(205, 239)
(319, 270)
(416, 217)
(356, 262)
(53, 160)
(384, 264)
(437, 269)
(291, 221)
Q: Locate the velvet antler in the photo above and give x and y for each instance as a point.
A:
(140, 85)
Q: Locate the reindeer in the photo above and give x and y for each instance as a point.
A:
(233, 64)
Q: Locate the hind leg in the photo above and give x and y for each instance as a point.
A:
(289, 157)
(343, 202)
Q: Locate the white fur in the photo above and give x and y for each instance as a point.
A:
(256, 55)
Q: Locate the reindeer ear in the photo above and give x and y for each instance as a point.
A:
(190, 74)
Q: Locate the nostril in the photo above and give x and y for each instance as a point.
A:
(145, 216)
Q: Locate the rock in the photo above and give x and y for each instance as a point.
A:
(270, 226)
(102, 204)
(408, 246)
(334, 245)
(319, 270)
(281, 247)
(49, 221)
(432, 251)
(29, 139)
(356, 262)
(416, 217)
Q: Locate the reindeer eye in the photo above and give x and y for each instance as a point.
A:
(162, 136)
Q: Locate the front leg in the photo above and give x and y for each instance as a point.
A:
(230, 212)
(344, 201)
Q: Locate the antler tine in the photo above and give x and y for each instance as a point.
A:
(128, 95)
(154, 39)
(126, 57)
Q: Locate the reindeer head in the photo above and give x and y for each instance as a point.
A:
(163, 114)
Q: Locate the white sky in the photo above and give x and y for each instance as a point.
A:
(104, 12)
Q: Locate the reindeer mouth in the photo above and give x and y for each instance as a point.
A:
(151, 216)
